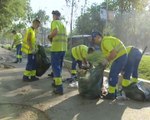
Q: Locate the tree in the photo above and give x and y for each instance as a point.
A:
(90, 21)
(73, 4)
(12, 10)
(41, 15)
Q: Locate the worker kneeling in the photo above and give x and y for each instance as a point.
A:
(79, 55)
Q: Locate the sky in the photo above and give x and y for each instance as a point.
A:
(60, 5)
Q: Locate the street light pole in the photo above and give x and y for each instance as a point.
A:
(106, 12)
(72, 6)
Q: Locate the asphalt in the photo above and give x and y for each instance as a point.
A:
(70, 106)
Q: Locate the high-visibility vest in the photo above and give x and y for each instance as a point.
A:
(110, 43)
(79, 52)
(25, 46)
(17, 39)
(129, 49)
(59, 42)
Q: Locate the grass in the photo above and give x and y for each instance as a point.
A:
(6, 46)
(144, 68)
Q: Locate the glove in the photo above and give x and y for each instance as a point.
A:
(49, 38)
(86, 66)
(33, 51)
(105, 62)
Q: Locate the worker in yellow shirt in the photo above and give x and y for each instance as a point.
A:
(17, 42)
(114, 52)
(79, 54)
(58, 38)
(29, 48)
(131, 67)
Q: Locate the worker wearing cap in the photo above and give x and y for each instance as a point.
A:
(131, 67)
(18, 44)
(29, 48)
(79, 54)
(58, 38)
(114, 52)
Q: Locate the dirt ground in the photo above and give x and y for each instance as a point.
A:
(35, 101)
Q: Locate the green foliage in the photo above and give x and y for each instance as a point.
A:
(96, 57)
(68, 55)
(12, 10)
(90, 20)
(144, 68)
(41, 15)
(127, 5)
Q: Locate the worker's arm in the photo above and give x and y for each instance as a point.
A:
(112, 55)
(29, 41)
(85, 61)
(108, 59)
(52, 34)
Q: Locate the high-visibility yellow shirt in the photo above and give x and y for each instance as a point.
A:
(25, 46)
(110, 43)
(17, 39)
(80, 52)
(129, 49)
(59, 42)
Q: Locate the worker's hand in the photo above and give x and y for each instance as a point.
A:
(86, 66)
(49, 38)
(33, 51)
(105, 62)
(104, 91)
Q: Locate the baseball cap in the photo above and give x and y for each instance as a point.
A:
(56, 12)
(94, 34)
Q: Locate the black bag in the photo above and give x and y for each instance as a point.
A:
(90, 85)
(42, 61)
(138, 91)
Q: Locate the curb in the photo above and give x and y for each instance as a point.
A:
(67, 64)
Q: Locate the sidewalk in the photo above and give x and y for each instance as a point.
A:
(35, 101)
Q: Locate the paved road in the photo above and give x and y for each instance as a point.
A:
(69, 106)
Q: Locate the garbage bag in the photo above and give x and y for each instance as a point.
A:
(90, 84)
(138, 91)
(42, 61)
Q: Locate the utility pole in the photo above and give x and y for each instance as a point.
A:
(106, 13)
(71, 19)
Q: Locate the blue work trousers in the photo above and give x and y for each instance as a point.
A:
(57, 62)
(115, 69)
(31, 62)
(131, 67)
(18, 50)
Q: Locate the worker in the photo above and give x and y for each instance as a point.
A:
(58, 38)
(79, 54)
(29, 48)
(17, 42)
(131, 67)
(115, 53)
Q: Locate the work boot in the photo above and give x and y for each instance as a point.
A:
(20, 60)
(71, 79)
(33, 78)
(58, 89)
(26, 78)
(74, 76)
(110, 96)
(53, 84)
